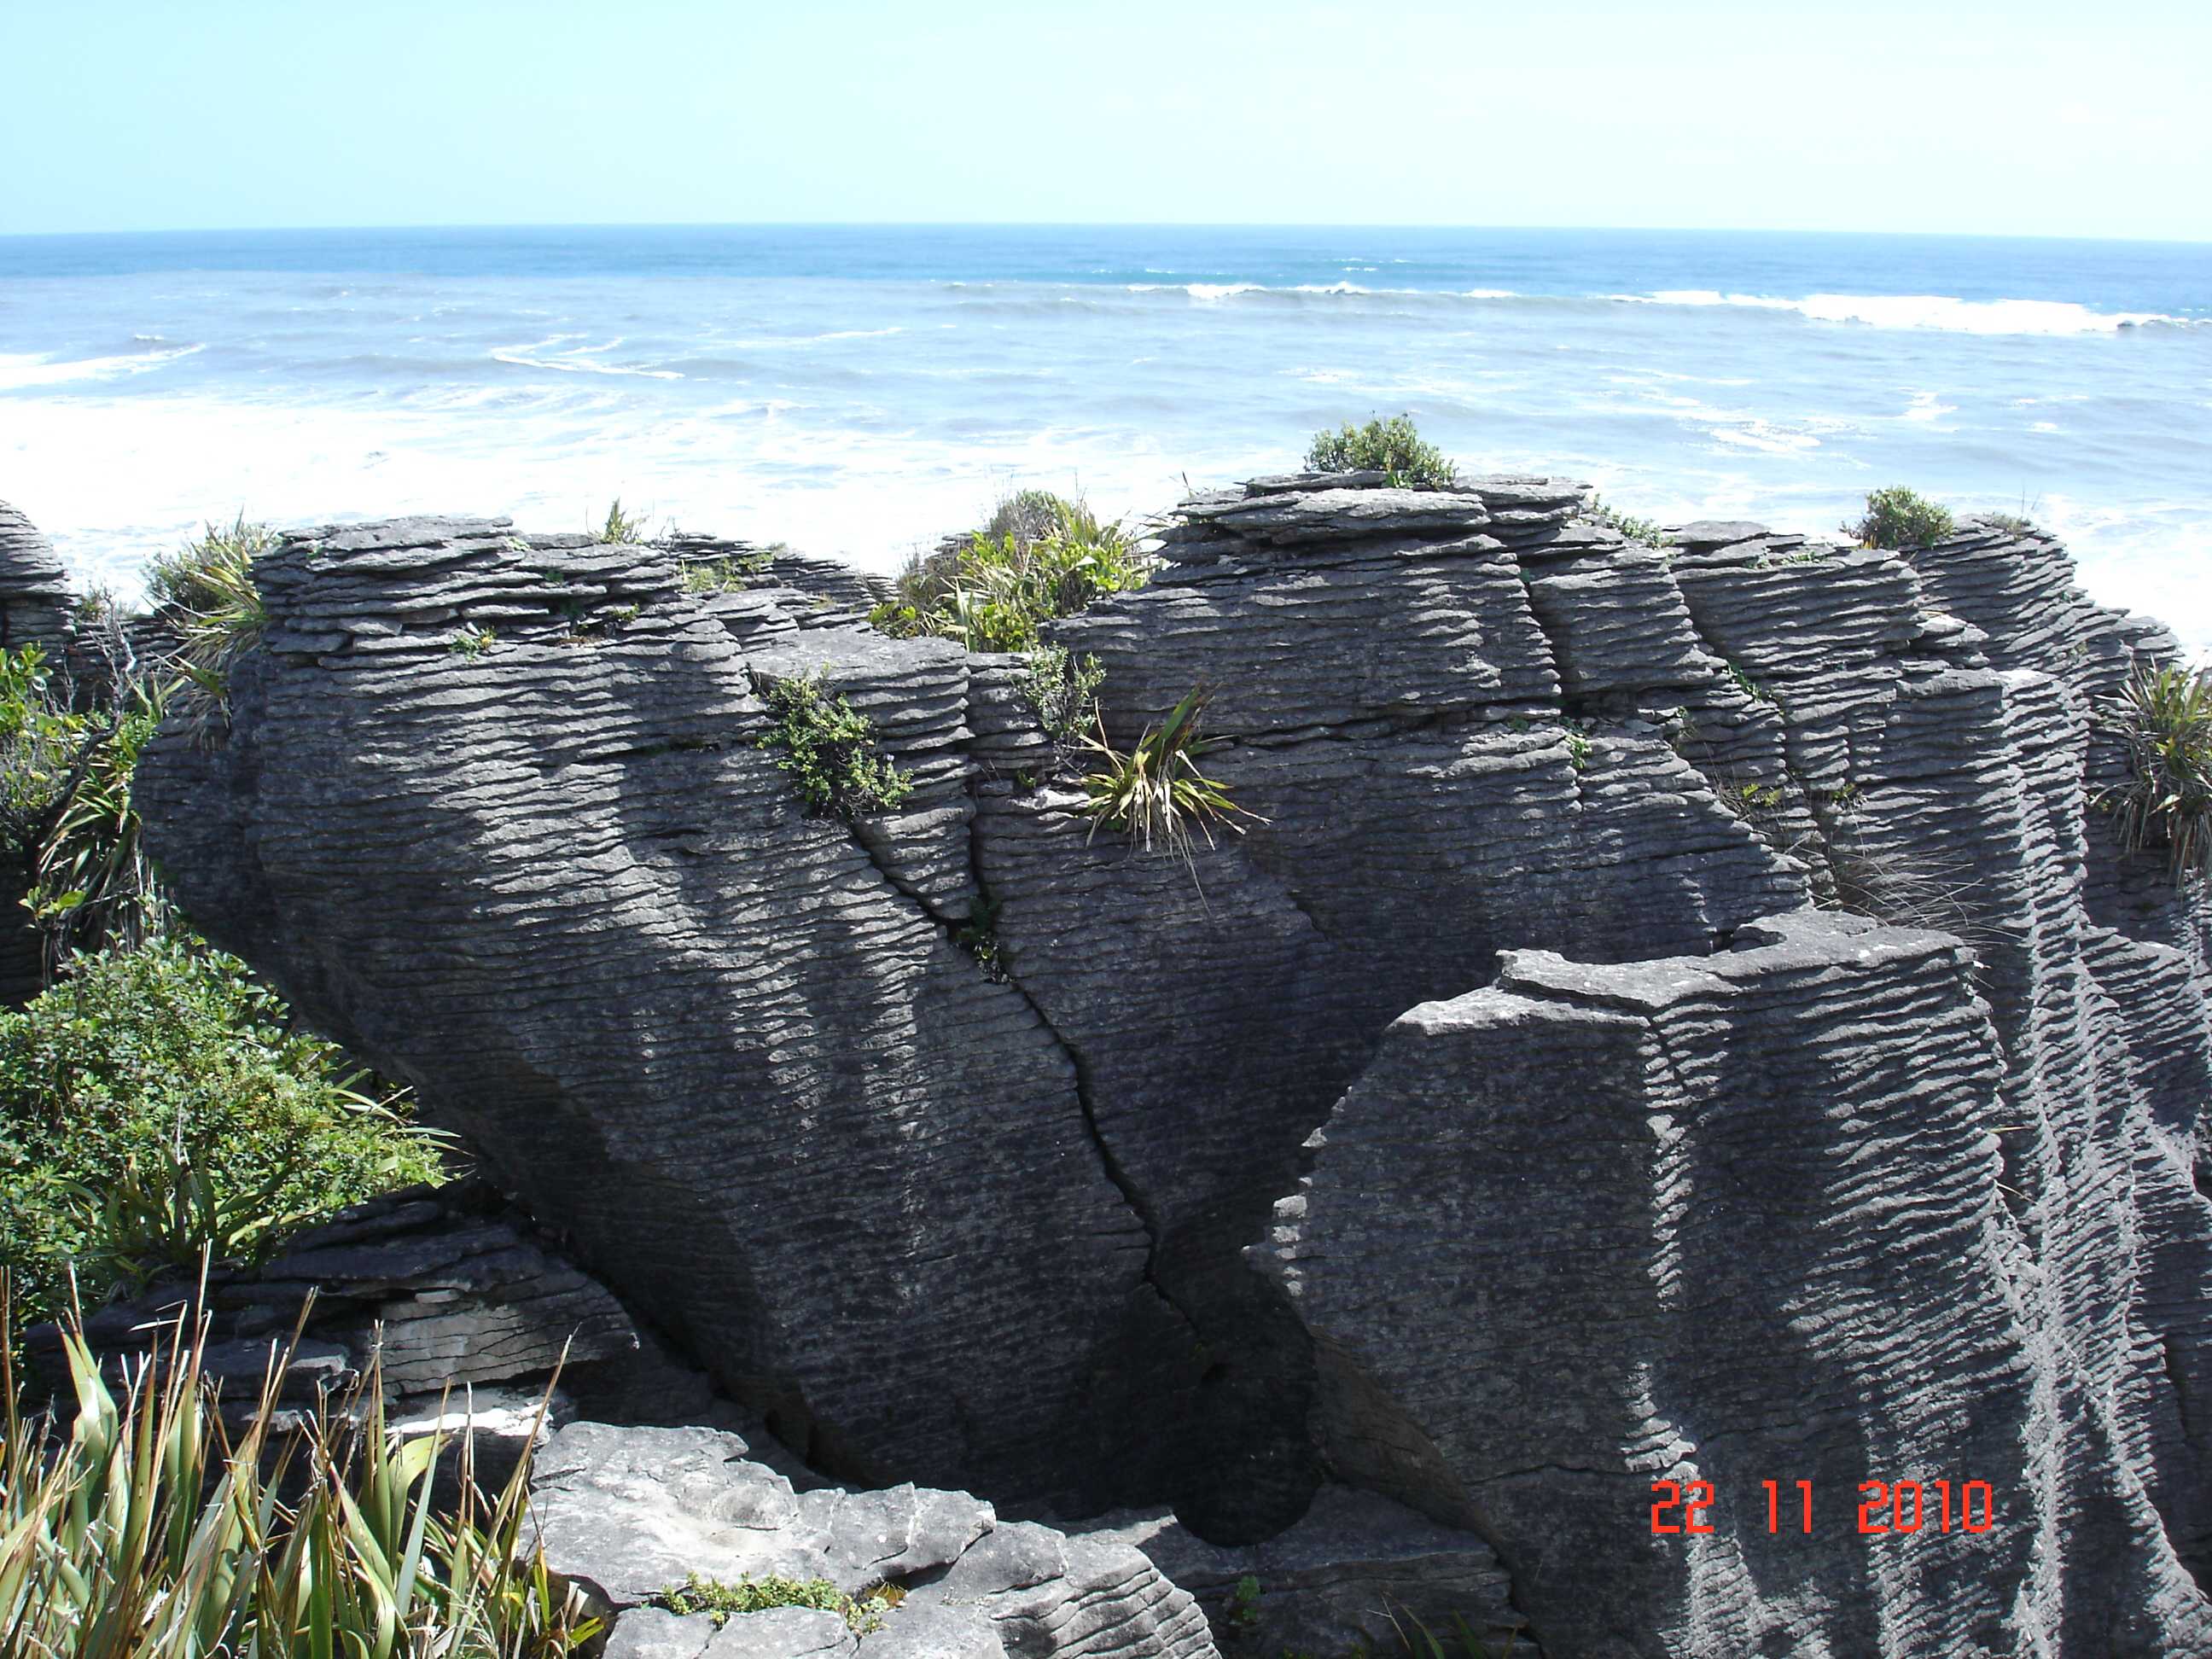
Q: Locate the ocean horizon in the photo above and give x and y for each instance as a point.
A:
(862, 390)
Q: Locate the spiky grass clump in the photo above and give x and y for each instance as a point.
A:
(66, 812)
(152, 1533)
(1156, 794)
(1900, 519)
(618, 527)
(2164, 721)
(1395, 446)
(206, 591)
(1040, 558)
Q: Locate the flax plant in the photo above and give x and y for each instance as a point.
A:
(151, 1532)
(1155, 792)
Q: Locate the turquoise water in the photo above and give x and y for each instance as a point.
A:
(861, 390)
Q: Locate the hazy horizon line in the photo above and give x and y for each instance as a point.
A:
(1089, 225)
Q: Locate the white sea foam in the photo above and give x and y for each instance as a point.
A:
(23, 369)
(1928, 311)
(577, 361)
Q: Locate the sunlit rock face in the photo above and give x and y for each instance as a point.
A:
(1673, 1016)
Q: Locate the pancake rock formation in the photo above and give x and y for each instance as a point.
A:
(1675, 1023)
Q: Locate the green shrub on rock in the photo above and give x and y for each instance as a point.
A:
(66, 816)
(159, 1100)
(206, 592)
(2163, 721)
(828, 749)
(1900, 519)
(1039, 558)
(1395, 446)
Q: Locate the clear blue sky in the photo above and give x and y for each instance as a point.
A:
(2035, 118)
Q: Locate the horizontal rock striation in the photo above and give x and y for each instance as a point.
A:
(1800, 1083)
(631, 1514)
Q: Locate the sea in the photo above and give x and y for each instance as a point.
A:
(862, 390)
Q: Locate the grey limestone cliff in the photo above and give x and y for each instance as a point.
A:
(1675, 1016)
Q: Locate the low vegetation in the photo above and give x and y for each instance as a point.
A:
(862, 1613)
(158, 1102)
(1901, 519)
(1648, 531)
(151, 1532)
(1063, 690)
(1156, 794)
(730, 573)
(1040, 558)
(205, 592)
(1394, 447)
(2163, 720)
(66, 815)
(618, 527)
(828, 748)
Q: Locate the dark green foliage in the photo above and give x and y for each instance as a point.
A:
(1040, 558)
(1155, 793)
(1899, 518)
(65, 807)
(206, 591)
(1636, 529)
(2164, 721)
(620, 526)
(730, 574)
(1064, 692)
(828, 749)
(157, 1100)
(979, 937)
(198, 575)
(861, 1614)
(1393, 446)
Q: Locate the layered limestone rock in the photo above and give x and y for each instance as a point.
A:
(631, 1514)
(1675, 1171)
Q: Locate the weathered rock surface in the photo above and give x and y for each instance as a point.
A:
(1699, 1179)
(1354, 1564)
(466, 1308)
(630, 1513)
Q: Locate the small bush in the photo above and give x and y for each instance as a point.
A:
(1039, 558)
(158, 1101)
(828, 749)
(206, 591)
(2164, 721)
(153, 1533)
(729, 573)
(619, 526)
(1064, 692)
(65, 803)
(1635, 529)
(1392, 446)
(1901, 519)
(1155, 792)
(862, 1613)
(472, 642)
(2016, 523)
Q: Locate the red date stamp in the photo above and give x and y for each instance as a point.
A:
(1885, 1506)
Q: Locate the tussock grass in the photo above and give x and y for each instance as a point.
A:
(1156, 793)
(1039, 558)
(2164, 721)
